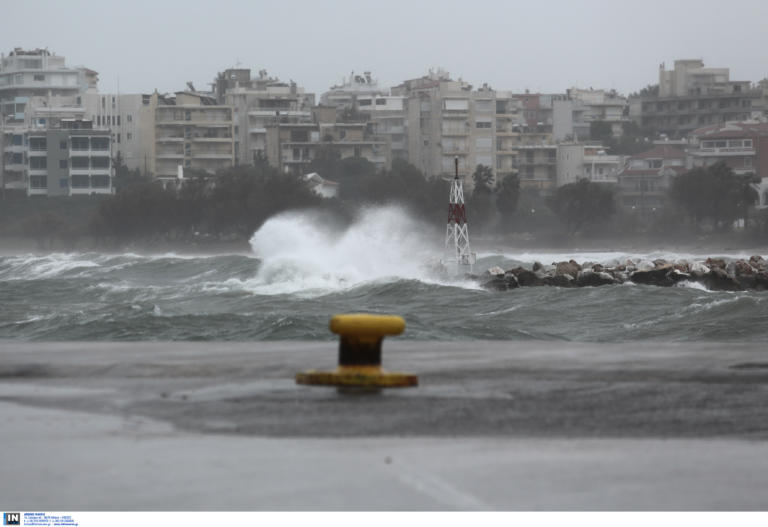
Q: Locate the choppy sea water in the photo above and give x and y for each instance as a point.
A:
(299, 275)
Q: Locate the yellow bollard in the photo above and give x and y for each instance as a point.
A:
(360, 354)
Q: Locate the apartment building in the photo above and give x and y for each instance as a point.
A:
(293, 146)
(37, 91)
(577, 161)
(131, 121)
(574, 113)
(644, 181)
(68, 160)
(193, 131)
(258, 102)
(743, 146)
(691, 96)
(449, 119)
(388, 118)
(346, 94)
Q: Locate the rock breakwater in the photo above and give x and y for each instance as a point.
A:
(717, 274)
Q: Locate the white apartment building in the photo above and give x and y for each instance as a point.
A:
(577, 161)
(131, 120)
(192, 131)
(574, 113)
(449, 119)
(258, 103)
(346, 94)
(388, 116)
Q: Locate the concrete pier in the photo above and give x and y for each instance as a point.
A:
(492, 425)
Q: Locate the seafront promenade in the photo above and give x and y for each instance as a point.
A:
(492, 425)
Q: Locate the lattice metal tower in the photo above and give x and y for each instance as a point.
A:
(456, 233)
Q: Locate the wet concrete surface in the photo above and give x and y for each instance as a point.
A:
(492, 425)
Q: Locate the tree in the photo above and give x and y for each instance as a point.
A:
(480, 203)
(582, 203)
(507, 196)
(483, 179)
(713, 193)
(600, 131)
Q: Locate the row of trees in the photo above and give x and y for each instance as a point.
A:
(242, 198)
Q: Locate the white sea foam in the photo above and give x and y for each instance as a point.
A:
(300, 255)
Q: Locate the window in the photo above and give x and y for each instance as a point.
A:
(100, 181)
(79, 163)
(17, 158)
(38, 77)
(118, 120)
(100, 143)
(456, 104)
(38, 163)
(38, 181)
(99, 162)
(483, 143)
(18, 140)
(129, 118)
(654, 163)
(80, 181)
(129, 136)
(342, 134)
(118, 138)
(364, 102)
(483, 105)
(62, 163)
(79, 143)
(381, 102)
(483, 124)
(38, 144)
(63, 145)
(748, 162)
(747, 143)
(187, 115)
(63, 182)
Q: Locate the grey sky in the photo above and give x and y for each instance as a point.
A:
(543, 46)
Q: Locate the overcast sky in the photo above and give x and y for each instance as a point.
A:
(543, 46)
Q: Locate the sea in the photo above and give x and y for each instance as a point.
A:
(300, 272)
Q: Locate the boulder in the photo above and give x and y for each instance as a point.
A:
(495, 271)
(495, 283)
(660, 262)
(718, 280)
(570, 267)
(756, 282)
(662, 277)
(758, 262)
(698, 267)
(560, 280)
(537, 266)
(739, 268)
(593, 279)
(528, 278)
(715, 262)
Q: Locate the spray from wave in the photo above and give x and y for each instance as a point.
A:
(299, 253)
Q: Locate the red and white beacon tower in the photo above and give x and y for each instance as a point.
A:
(456, 234)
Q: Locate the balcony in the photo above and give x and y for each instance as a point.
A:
(726, 151)
(170, 155)
(211, 155)
(170, 139)
(212, 139)
(257, 130)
